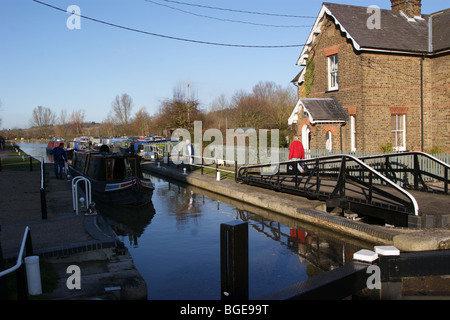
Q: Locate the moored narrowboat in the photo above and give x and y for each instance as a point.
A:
(115, 178)
(52, 144)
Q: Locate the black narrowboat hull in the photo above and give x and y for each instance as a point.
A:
(131, 191)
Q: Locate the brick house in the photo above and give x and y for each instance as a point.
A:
(375, 77)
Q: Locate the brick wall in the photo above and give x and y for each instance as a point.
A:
(373, 86)
(329, 42)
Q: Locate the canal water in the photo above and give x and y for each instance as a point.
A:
(175, 242)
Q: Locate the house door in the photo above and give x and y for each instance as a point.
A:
(306, 137)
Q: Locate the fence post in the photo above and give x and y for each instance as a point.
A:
(43, 199)
(201, 170)
(446, 180)
(234, 260)
(3, 286)
(416, 172)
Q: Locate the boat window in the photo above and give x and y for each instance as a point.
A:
(119, 169)
(109, 169)
(132, 163)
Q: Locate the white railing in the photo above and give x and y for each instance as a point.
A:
(19, 261)
(87, 188)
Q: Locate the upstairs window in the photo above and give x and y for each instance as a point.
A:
(333, 79)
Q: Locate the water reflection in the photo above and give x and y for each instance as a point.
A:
(175, 242)
(37, 151)
(282, 251)
(127, 221)
(181, 202)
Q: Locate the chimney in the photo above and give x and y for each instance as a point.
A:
(411, 8)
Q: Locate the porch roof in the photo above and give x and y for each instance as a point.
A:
(319, 110)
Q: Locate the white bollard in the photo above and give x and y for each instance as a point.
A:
(33, 275)
(218, 176)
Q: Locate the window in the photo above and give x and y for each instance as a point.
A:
(333, 79)
(329, 141)
(109, 169)
(306, 137)
(398, 132)
(352, 133)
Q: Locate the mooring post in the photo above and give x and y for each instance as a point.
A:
(234, 260)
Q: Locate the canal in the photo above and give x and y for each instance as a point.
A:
(175, 244)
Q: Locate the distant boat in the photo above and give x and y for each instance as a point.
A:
(78, 144)
(115, 178)
(52, 144)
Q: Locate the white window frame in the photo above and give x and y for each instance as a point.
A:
(306, 132)
(352, 133)
(329, 141)
(396, 131)
(333, 72)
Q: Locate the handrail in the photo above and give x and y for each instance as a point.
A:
(341, 156)
(215, 161)
(87, 185)
(418, 171)
(19, 261)
(406, 154)
(413, 200)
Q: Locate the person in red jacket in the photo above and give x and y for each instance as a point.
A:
(297, 152)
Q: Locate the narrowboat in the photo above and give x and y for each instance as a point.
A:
(82, 144)
(115, 178)
(53, 144)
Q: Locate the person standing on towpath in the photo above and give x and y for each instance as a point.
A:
(59, 159)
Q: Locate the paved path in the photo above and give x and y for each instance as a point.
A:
(62, 230)
(65, 238)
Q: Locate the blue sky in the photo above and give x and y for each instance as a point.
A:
(42, 62)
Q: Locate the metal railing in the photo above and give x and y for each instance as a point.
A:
(204, 162)
(87, 189)
(214, 164)
(27, 248)
(412, 170)
(2, 165)
(342, 180)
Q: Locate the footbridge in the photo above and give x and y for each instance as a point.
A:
(409, 189)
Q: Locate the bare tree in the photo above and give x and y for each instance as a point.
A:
(108, 128)
(179, 112)
(43, 118)
(279, 103)
(121, 109)
(77, 121)
(142, 122)
(248, 110)
(62, 129)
